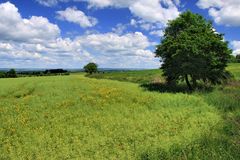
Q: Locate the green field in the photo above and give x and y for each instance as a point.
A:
(76, 117)
(142, 76)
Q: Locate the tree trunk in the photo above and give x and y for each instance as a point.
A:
(194, 81)
(188, 83)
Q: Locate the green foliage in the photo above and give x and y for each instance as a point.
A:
(232, 59)
(48, 72)
(91, 68)
(152, 76)
(74, 117)
(191, 50)
(11, 73)
(2, 75)
(234, 68)
(53, 72)
(238, 58)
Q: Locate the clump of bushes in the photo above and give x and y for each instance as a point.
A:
(10, 74)
(55, 71)
(2, 75)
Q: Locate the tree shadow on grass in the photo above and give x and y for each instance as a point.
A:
(203, 148)
(166, 88)
(222, 143)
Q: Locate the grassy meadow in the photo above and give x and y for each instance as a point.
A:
(77, 117)
(141, 76)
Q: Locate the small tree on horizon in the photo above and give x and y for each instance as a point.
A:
(11, 73)
(192, 50)
(91, 68)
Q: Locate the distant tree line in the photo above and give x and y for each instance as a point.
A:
(10, 74)
(55, 71)
(50, 72)
(234, 59)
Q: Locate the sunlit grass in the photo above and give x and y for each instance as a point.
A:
(74, 117)
(142, 76)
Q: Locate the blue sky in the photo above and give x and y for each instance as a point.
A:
(112, 33)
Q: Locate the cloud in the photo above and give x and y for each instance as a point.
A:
(236, 47)
(108, 50)
(14, 27)
(14, 52)
(155, 10)
(150, 15)
(50, 3)
(120, 28)
(5, 47)
(158, 33)
(112, 44)
(148, 10)
(128, 50)
(225, 12)
(133, 22)
(76, 16)
(155, 29)
(108, 3)
(35, 42)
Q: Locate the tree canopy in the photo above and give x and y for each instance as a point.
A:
(11, 73)
(192, 50)
(91, 68)
(238, 58)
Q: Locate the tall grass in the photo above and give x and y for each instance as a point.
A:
(75, 117)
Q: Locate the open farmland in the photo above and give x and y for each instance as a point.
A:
(75, 117)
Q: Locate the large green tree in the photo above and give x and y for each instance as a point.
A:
(91, 68)
(192, 50)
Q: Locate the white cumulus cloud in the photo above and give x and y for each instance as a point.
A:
(36, 42)
(148, 10)
(236, 47)
(76, 16)
(14, 27)
(112, 44)
(225, 12)
(128, 50)
(50, 3)
(158, 33)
